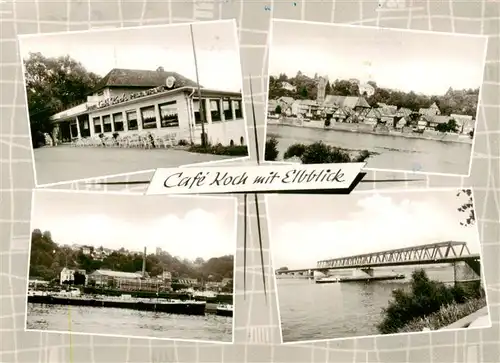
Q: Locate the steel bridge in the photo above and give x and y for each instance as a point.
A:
(434, 253)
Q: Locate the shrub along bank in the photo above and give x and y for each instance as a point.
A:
(315, 153)
(428, 299)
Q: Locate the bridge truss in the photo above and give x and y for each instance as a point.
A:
(438, 252)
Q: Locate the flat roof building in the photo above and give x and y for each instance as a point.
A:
(130, 102)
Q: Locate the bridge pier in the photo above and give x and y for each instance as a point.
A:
(368, 271)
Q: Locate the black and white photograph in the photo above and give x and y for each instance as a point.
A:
(398, 100)
(115, 101)
(371, 263)
(134, 266)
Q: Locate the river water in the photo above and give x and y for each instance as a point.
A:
(394, 152)
(311, 311)
(126, 322)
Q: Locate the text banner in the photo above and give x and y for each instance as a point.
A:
(266, 178)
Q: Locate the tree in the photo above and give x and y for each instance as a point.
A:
(321, 153)
(328, 88)
(79, 278)
(345, 88)
(467, 207)
(53, 84)
(271, 150)
(277, 110)
(450, 126)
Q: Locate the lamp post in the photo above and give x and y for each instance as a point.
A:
(200, 103)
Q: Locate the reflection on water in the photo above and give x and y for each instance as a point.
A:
(394, 152)
(128, 322)
(311, 311)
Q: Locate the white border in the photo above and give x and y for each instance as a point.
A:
(125, 28)
(385, 191)
(236, 214)
(479, 101)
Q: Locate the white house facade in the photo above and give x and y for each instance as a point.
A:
(132, 102)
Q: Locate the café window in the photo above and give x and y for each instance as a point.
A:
(215, 110)
(237, 109)
(118, 121)
(148, 117)
(197, 115)
(132, 120)
(97, 125)
(106, 123)
(228, 110)
(168, 114)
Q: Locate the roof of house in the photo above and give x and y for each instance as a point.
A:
(120, 274)
(404, 112)
(347, 101)
(374, 112)
(440, 119)
(307, 102)
(366, 85)
(119, 77)
(387, 111)
(464, 117)
(286, 99)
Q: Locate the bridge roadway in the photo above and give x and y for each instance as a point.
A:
(435, 253)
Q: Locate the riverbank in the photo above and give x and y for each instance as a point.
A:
(369, 129)
(453, 316)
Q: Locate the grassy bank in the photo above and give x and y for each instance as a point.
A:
(315, 153)
(447, 315)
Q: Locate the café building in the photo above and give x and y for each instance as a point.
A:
(130, 102)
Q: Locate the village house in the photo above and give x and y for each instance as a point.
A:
(463, 121)
(129, 102)
(286, 103)
(226, 281)
(271, 107)
(305, 108)
(433, 110)
(388, 115)
(357, 104)
(289, 87)
(404, 112)
(402, 122)
(128, 281)
(437, 120)
(188, 281)
(366, 90)
(86, 250)
(372, 117)
(68, 275)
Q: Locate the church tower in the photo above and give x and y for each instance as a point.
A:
(322, 81)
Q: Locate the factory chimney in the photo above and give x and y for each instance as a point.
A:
(144, 263)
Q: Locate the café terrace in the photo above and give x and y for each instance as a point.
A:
(128, 102)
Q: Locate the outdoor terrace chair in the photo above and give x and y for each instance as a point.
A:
(123, 141)
(95, 141)
(134, 141)
(145, 141)
(109, 141)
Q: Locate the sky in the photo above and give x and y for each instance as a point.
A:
(183, 226)
(346, 225)
(424, 62)
(150, 47)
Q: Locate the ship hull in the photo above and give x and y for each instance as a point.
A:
(361, 279)
(183, 308)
